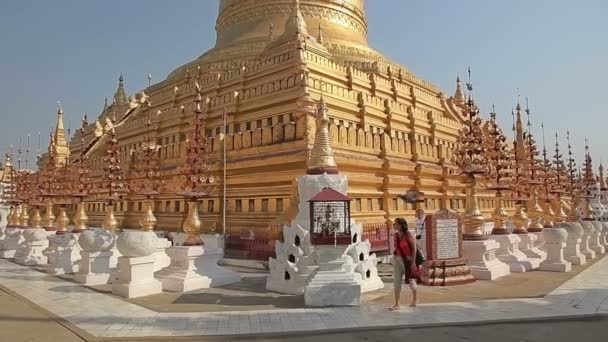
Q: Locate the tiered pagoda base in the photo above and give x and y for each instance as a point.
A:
(331, 284)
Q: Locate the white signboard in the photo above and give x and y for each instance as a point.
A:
(447, 239)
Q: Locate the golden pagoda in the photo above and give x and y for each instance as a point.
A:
(389, 129)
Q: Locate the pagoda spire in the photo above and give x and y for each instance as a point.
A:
(8, 167)
(519, 134)
(299, 24)
(322, 155)
(603, 186)
(58, 144)
(588, 166)
(459, 98)
(105, 105)
(120, 97)
(320, 37)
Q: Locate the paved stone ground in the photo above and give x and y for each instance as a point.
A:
(96, 315)
(593, 329)
(535, 284)
(251, 294)
(20, 321)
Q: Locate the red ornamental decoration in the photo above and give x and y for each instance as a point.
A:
(114, 180)
(198, 181)
(330, 218)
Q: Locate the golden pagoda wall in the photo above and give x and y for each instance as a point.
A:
(389, 135)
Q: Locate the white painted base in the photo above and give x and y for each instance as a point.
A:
(193, 268)
(161, 259)
(528, 247)
(594, 240)
(331, 285)
(63, 260)
(510, 254)
(588, 230)
(482, 261)
(572, 252)
(32, 253)
(136, 278)
(94, 268)
(555, 244)
(604, 236)
(555, 261)
(114, 271)
(11, 243)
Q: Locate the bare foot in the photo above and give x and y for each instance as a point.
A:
(413, 305)
(395, 308)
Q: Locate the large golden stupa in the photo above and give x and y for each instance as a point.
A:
(273, 60)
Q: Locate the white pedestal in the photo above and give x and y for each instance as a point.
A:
(114, 271)
(64, 256)
(510, 254)
(2, 236)
(12, 240)
(604, 236)
(32, 254)
(555, 243)
(161, 259)
(572, 252)
(588, 230)
(331, 285)
(94, 268)
(595, 243)
(482, 259)
(136, 277)
(528, 247)
(193, 268)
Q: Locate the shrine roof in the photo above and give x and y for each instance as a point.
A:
(329, 195)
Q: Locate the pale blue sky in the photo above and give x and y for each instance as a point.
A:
(554, 51)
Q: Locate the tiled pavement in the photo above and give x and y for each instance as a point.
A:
(101, 315)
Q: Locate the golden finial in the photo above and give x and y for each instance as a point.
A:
(459, 98)
(320, 38)
(322, 155)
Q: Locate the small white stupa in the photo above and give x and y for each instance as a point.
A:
(296, 268)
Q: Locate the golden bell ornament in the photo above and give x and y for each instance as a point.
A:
(535, 213)
(48, 219)
(148, 220)
(62, 221)
(80, 218)
(520, 219)
(36, 219)
(24, 218)
(109, 222)
(473, 219)
(192, 226)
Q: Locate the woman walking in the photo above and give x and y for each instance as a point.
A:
(404, 262)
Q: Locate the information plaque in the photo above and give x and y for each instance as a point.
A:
(445, 265)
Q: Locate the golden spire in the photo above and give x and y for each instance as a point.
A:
(519, 134)
(8, 167)
(588, 165)
(120, 97)
(459, 99)
(322, 155)
(295, 26)
(320, 38)
(58, 143)
(298, 20)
